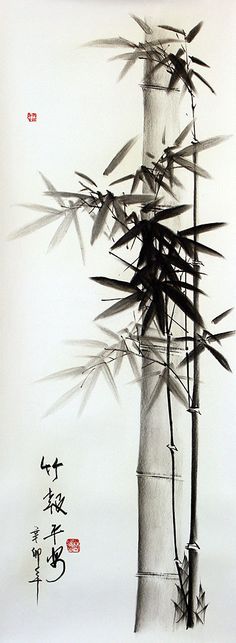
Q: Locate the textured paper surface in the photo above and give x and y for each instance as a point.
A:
(83, 118)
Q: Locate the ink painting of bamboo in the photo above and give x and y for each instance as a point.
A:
(129, 315)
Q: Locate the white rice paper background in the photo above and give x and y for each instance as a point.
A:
(84, 117)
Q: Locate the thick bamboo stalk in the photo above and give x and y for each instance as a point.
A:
(157, 573)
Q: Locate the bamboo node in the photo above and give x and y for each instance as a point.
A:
(178, 562)
(165, 476)
(196, 263)
(160, 87)
(172, 447)
(164, 575)
(194, 546)
(193, 409)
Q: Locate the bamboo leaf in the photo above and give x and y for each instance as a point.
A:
(126, 263)
(160, 306)
(51, 187)
(176, 389)
(208, 337)
(84, 176)
(148, 317)
(179, 609)
(36, 225)
(194, 353)
(167, 189)
(167, 269)
(143, 24)
(79, 235)
(149, 178)
(185, 284)
(220, 358)
(165, 41)
(133, 364)
(127, 56)
(194, 31)
(42, 208)
(128, 236)
(109, 333)
(110, 379)
(160, 313)
(183, 303)
(181, 70)
(124, 178)
(187, 247)
(180, 263)
(192, 167)
(120, 156)
(198, 61)
(89, 387)
(201, 592)
(109, 42)
(89, 343)
(174, 79)
(219, 336)
(121, 217)
(219, 318)
(63, 399)
(194, 148)
(125, 69)
(67, 372)
(118, 361)
(100, 219)
(204, 81)
(153, 205)
(136, 181)
(165, 233)
(200, 247)
(120, 213)
(61, 231)
(156, 392)
(63, 193)
(202, 227)
(184, 133)
(147, 376)
(149, 76)
(170, 212)
(121, 305)
(181, 31)
(114, 283)
(131, 199)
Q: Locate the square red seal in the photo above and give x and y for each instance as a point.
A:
(73, 545)
(32, 117)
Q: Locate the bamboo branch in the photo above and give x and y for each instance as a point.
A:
(172, 448)
(193, 536)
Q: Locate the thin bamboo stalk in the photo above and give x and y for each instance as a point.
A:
(173, 449)
(193, 536)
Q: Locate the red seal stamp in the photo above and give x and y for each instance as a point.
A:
(32, 117)
(73, 545)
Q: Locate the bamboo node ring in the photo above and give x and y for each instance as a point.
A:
(194, 546)
(194, 409)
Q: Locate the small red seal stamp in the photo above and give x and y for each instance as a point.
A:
(32, 117)
(73, 545)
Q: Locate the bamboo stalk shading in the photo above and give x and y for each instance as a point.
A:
(161, 286)
(157, 571)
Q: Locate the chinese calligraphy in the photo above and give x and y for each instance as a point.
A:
(54, 504)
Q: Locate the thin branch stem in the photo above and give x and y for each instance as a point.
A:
(193, 547)
(173, 449)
